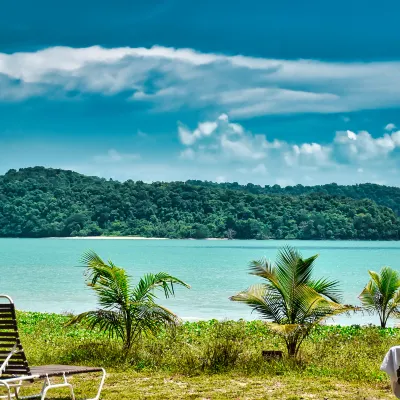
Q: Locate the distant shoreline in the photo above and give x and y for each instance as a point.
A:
(212, 239)
(123, 238)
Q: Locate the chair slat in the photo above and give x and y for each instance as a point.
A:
(17, 365)
(16, 370)
(13, 334)
(16, 356)
(13, 362)
(12, 320)
(9, 340)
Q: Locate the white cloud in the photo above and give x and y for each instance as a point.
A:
(362, 146)
(203, 129)
(240, 149)
(224, 139)
(311, 154)
(243, 86)
(113, 156)
(390, 127)
(251, 156)
(396, 138)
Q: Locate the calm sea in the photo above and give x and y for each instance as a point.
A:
(44, 274)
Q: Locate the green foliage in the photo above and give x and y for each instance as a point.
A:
(126, 312)
(290, 297)
(348, 353)
(41, 202)
(388, 196)
(382, 294)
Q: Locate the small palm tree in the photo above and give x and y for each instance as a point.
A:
(290, 298)
(382, 294)
(126, 312)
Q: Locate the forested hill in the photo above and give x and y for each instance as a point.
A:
(40, 202)
(388, 196)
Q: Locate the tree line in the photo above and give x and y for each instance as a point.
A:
(45, 202)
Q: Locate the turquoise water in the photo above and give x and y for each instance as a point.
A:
(44, 274)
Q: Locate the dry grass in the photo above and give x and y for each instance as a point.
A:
(132, 386)
(237, 387)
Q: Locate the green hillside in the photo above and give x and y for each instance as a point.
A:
(41, 202)
(388, 196)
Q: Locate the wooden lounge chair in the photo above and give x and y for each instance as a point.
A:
(14, 368)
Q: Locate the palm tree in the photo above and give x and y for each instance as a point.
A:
(126, 312)
(382, 294)
(290, 298)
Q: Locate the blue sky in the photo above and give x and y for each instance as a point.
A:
(247, 91)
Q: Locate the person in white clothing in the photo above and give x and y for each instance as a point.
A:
(391, 365)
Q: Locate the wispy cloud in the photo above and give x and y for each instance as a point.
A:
(114, 156)
(169, 78)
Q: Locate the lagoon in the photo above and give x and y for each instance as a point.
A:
(46, 275)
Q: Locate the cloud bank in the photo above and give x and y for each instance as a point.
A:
(222, 142)
(172, 79)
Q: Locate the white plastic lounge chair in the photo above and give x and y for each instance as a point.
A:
(14, 369)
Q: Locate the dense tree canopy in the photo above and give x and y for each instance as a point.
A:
(383, 195)
(40, 202)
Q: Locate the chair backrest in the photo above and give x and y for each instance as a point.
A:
(12, 356)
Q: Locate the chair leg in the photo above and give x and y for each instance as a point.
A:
(8, 396)
(103, 378)
(47, 385)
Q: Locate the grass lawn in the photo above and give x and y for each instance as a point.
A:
(131, 385)
(211, 360)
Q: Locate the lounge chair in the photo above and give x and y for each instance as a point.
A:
(15, 371)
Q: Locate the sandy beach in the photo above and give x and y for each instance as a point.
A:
(124, 238)
(111, 238)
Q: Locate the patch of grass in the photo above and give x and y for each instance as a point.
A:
(159, 386)
(218, 360)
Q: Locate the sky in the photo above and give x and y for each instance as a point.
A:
(249, 91)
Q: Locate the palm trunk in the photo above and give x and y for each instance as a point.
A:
(383, 321)
(128, 330)
(291, 346)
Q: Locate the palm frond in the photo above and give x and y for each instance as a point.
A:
(262, 268)
(149, 317)
(109, 282)
(104, 320)
(390, 282)
(149, 282)
(369, 297)
(327, 288)
(292, 270)
(292, 267)
(265, 300)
